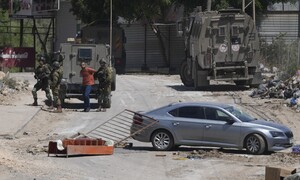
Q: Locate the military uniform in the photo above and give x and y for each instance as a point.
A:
(42, 73)
(104, 76)
(55, 79)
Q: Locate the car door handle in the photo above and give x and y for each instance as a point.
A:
(175, 123)
(208, 126)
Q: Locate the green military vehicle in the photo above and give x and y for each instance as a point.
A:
(220, 45)
(73, 54)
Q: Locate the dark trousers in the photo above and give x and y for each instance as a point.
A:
(86, 90)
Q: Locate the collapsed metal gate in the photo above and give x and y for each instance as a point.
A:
(119, 128)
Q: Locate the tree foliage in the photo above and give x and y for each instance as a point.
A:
(3, 5)
(154, 10)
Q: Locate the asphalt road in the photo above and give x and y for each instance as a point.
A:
(142, 93)
(134, 92)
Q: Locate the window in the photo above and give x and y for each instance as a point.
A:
(235, 40)
(216, 114)
(235, 31)
(211, 113)
(222, 31)
(189, 112)
(85, 54)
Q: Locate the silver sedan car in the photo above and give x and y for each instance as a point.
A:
(213, 125)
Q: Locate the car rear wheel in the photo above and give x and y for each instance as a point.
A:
(255, 144)
(162, 140)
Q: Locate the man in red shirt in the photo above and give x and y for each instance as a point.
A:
(87, 75)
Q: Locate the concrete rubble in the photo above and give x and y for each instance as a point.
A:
(9, 85)
(273, 87)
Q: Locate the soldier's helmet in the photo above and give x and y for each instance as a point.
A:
(102, 61)
(42, 58)
(56, 64)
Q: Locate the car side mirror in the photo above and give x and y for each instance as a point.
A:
(229, 120)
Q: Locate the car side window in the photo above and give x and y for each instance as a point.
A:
(211, 113)
(189, 112)
(223, 116)
(216, 114)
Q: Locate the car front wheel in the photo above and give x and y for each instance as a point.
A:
(162, 140)
(255, 144)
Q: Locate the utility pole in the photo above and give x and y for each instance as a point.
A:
(209, 5)
(110, 31)
(253, 9)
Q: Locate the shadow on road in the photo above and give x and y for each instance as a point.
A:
(215, 88)
(191, 149)
(77, 106)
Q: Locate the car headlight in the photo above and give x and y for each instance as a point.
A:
(277, 134)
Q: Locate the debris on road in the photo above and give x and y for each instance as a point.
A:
(273, 173)
(296, 149)
(160, 155)
(9, 85)
(274, 88)
(80, 146)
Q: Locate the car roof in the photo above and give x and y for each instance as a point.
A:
(181, 104)
(210, 104)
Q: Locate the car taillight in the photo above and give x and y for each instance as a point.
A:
(137, 119)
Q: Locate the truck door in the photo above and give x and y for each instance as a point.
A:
(79, 54)
(227, 39)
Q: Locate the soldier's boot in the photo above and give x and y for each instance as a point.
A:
(51, 105)
(99, 109)
(35, 103)
(58, 110)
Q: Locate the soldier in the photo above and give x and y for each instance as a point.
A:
(42, 73)
(55, 79)
(104, 89)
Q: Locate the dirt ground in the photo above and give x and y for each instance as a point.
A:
(24, 156)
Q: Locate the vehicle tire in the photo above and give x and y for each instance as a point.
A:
(62, 93)
(113, 80)
(241, 82)
(185, 77)
(175, 147)
(257, 80)
(255, 144)
(107, 103)
(162, 140)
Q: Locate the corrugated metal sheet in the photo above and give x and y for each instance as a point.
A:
(135, 35)
(274, 24)
(177, 54)
(154, 54)
(135, 48)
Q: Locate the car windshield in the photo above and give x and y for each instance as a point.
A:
(239, 114)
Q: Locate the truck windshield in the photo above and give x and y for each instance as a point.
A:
(239, 114)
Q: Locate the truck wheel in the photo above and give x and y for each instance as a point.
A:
(62, 93)
(185, 77)
(257, 79)
(241, 83)
(107, 103)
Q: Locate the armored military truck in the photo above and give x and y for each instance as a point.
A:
(220, 45)
(74, 54)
